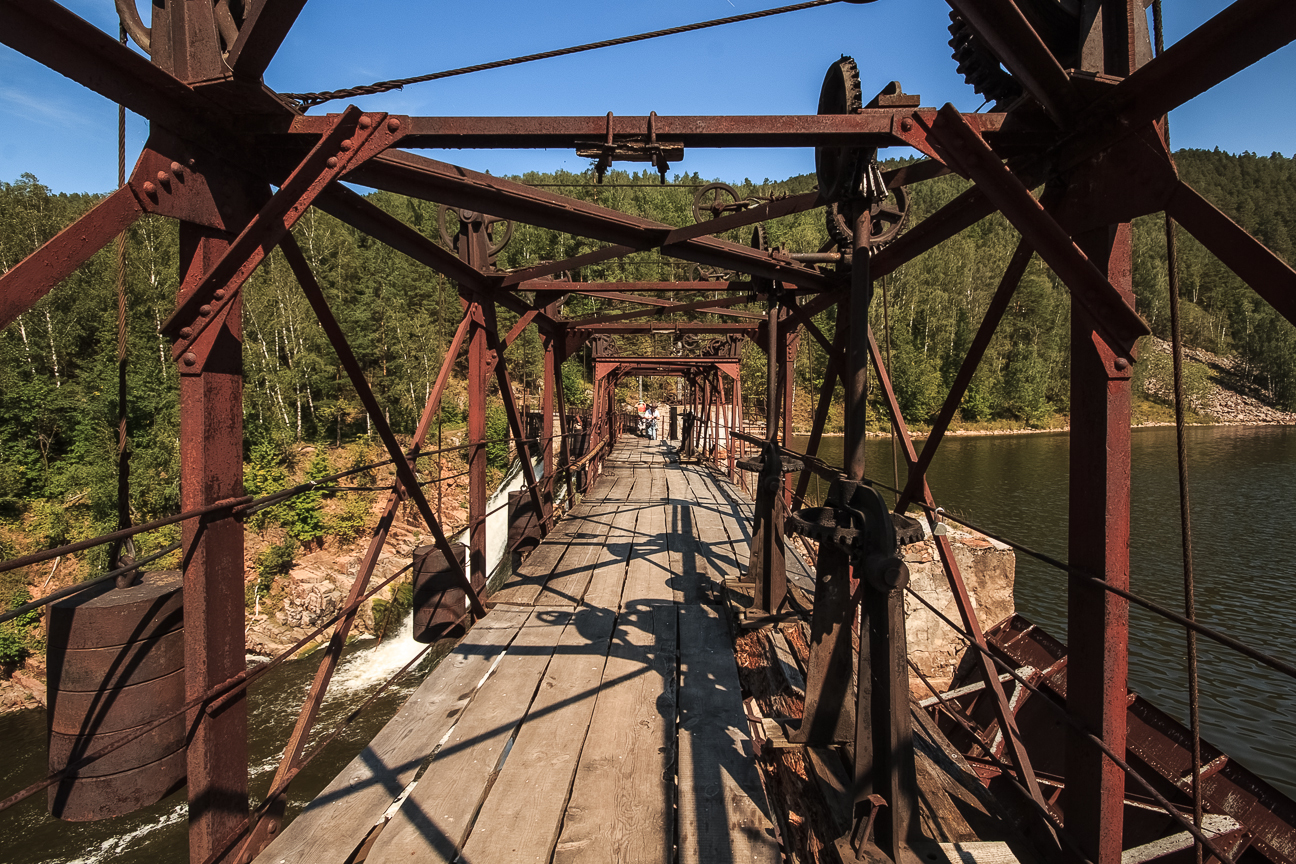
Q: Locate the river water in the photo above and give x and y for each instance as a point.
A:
(28, 835)
(1243, 487)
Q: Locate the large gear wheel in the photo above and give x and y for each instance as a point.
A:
(837, 168)
(889, 218)
(1056, 22)
(980, 67)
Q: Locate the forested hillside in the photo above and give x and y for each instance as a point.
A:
(58, 361)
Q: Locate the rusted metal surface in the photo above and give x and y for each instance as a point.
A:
(116, 662)
(34, 277)
(1158, 746)
(1098, 542)
(439, 601)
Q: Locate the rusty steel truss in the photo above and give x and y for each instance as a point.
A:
(1079, 111)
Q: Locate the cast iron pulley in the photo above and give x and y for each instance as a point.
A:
(837, 168)
(715, 200)
(856, 520)
(888, 217)
(452, 240)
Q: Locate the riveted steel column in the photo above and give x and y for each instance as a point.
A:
(1098, 543)
(211, 470)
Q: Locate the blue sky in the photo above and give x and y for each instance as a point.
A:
(65, 135)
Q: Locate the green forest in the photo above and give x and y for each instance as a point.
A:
(58, 391)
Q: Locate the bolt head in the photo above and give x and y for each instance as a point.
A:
(1122, 364)
(365, 122)
(347, 145)
(149, 188)
(906, 125)
(190, 359)
(332, 162)
(163, 178)
(186, 332)
(220, 294)
(204, 310)
(177, 169)
(393, 125)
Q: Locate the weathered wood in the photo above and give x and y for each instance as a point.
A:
(522, 815)
(621, 802)
(433, 822)
(526, 583)
(648, 576)
(333, 824)
(722, 807)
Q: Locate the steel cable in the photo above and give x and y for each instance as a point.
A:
(309, 100)
(1181, 448)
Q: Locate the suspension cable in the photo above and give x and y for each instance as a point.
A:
(309, 100)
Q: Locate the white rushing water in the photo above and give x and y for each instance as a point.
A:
(370, 667)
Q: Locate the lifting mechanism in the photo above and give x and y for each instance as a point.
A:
(148, 681)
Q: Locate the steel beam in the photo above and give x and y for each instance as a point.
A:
(1005, 30)
(872, 127)
(409, 174)
(54, 37)
(265, 25)
(211, 470)
(1098, 543)
(989, 324)
(37, 274)
(1267, 274)
(1115, 317)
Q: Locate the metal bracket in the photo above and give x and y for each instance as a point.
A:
(631, 148)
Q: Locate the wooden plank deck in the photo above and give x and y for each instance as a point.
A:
(594, 715)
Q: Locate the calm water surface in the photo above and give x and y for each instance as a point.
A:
(1243, 487)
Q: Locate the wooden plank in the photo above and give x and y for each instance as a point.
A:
(570, 577)
(522, 814)
(722, 806)
(607, 573)
(621, 807)
(785, 663)
(648, 576)
(687, 551)
(715, 548)
(433, 822)
(526, 583)
(333, 824)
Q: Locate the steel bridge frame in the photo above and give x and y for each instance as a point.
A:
(220, 139)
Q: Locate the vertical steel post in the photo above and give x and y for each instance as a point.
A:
(884, 757)
(211, 470)
(473, 249)
(768, 552)
(552, 380)
(791, 340)
(1098, 543)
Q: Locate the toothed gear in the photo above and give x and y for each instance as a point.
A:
(837, 168)
(980, 67)
(889, 218)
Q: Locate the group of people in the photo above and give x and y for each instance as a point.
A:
(647, 420)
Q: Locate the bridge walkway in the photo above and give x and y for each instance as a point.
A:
(595, 715)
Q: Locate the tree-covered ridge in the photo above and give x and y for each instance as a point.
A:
(58, 372)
